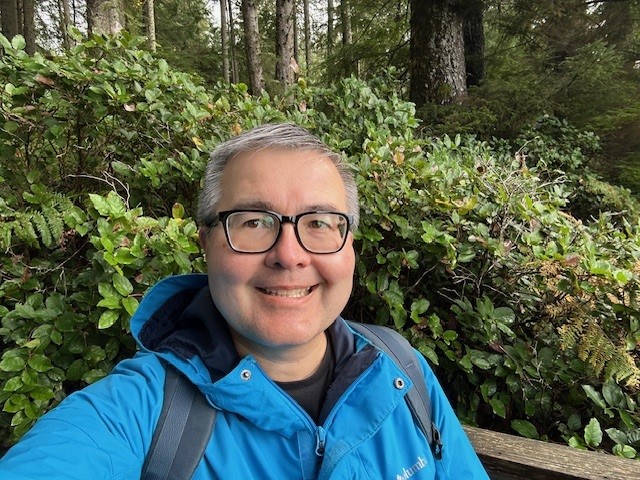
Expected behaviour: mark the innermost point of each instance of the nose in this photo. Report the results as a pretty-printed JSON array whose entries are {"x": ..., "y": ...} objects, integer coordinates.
[{"x": 287, "y": 252}]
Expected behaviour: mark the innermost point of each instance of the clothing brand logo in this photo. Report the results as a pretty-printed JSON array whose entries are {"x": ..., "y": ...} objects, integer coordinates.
[{"x": 411, "y": 471}]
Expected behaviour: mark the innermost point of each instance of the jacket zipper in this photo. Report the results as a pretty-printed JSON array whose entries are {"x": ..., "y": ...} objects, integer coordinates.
[{"x": 321, "y": 436}]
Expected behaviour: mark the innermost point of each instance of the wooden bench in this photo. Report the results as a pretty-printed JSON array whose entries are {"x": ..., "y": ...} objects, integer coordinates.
[{"x": 508, "y": 457}]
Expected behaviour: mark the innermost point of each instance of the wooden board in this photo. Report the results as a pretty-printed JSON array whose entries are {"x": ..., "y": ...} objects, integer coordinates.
[{"x": 509, "y": 457}]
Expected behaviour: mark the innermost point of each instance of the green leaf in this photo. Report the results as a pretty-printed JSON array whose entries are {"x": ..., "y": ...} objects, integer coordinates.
[
  {"x": 18, "y": 42},
  {"x": 594, "y": 395},
  {"x": 498, "y": 407},
  {"x": 593, "y": 433},
  {"x": 130, "y": 305},
  {"x": 41, "y": 393},
  {"x": 122, "y": 284},
  {"x": 112, "y": 303},
  {"x": 108, "y": 318},
  {"x": 13, "y": 384},
  {"x": 12, "y": 364},
  {"x": 93, "y": 375},
  {"x": 525, "y": 428},
  {"x": 40, "y": 363},
  {"x": 100, "y": 204}
]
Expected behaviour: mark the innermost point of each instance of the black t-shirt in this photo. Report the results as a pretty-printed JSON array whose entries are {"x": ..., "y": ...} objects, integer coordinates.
[{"x": 311, "y": 392}]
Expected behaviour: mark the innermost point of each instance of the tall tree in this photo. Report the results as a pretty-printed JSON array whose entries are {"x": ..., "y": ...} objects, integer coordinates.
[
  {"x": 437, "y": 65},
  {"x": 151, "y": 24},
  {"x": 284, "y": 42},
  {"x": 224, "y": 34},
  {"x": 64, "y": 11},
  {"x": 474, "y": 41},
  {"x": 252, "y": 43},
  {"x": 9, "y": 13},
  {"x": 330, "y": 21},
  {"x": 105, "y": 16},
  {"x": 29, "y": 26},
  {"x": 307, "y": 38},
  {"x": 232, "y": 45}
]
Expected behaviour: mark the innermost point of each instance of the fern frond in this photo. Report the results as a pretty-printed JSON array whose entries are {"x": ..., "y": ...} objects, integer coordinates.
[{"x": 42, "y": 226}]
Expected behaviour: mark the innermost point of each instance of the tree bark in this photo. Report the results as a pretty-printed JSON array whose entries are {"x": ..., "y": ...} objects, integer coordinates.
[
  {"x": 224, "y": 33},
  {"x": 232, "y": 45},
  {"x": 105, "y": 16},
  {"x": 349, "y": 64},
  {"x": 307, "y": 39},
  {"x": 252, "y": 41},
  {"x": 330, "y": 20},
  {"x": 151, "y": 25},
  {"x": 9, "y": 12},
  {"x": 437, "y": 65},
  {"x": 474, "y": 42},
  {"x": 65, "y": 22},
  {"x": 284, "y": 42},
  {"x": 29, "y": 26}
]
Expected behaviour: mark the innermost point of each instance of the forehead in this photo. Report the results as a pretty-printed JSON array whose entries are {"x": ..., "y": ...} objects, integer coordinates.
[{"x": 280, "y": 180}]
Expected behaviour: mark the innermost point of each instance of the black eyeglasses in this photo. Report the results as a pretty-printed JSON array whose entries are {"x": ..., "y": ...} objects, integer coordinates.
[{"x": 257, "y": 231}]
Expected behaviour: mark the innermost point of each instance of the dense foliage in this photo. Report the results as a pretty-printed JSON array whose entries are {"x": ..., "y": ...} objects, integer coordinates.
[{"x": 510, "y": 266}]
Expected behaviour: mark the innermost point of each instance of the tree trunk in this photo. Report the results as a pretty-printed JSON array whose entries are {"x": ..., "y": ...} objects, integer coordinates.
[
  {"x": 437, "y": 66},
  {"x": 151, "y": 25},
  {"x": 65, "y": 22},
  {"x": 105, "y": 16},
  {"x": 232, "y": 45},
  {"x": 252, "y": 41},
  {"x": 29, "y": 26},
  {"x": 224, "y": 33},
  {"x": 474, "y": 42},
  {"x": 345, "y": 18},
  {"x": 284, "y": 42},
  {"x": 296, "y": 33},
  {"x": 307, "y": 39},
  {"x": 349, "y": 64},
  {"x": 9, "y": 12},
  {"x": 330, "y": 20}
]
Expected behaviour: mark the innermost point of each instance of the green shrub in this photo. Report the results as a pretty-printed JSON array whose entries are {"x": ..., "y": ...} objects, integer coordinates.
[{"x": 527, "y": 311}]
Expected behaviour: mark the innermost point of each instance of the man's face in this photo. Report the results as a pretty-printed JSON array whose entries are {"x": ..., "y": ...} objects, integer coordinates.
[{"x": 285, "y": 297}]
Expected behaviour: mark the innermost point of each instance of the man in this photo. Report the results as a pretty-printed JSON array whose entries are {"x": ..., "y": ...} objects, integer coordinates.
[{"x": 298, "y": 394}]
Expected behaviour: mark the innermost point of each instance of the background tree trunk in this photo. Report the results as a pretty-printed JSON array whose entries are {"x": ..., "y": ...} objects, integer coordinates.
[
  {"x": 65, "y": 22},
  {"x": 224, "y": 34},
  {"x": 232, "y": 45},
  {"x": 284, "y": 42},
  {"x": 29, "y": 26},
  {"x": 349, "y": 64},
  {"x": 330, "y": 20},
  {"x": 307, "y": 39},
  {"x": 105, "y": 16},
  {"x": 474, "y": 42},
  {"x": 437, "y": 66},
  {"x": 9, "y": 12},
  {"x": 151, "y": 25},
  {"x": 252, "y": 41}
]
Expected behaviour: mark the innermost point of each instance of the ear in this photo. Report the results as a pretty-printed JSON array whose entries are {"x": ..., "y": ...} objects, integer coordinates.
[{"x": 202, "y": 236}]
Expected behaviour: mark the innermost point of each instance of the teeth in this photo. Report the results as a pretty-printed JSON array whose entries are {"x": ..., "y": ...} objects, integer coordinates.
[{"x": 287, "y": 293}]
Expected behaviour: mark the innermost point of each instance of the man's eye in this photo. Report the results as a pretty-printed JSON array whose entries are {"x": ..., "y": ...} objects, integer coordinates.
[
  {"x": 258, "y": 223},
  {"x": 318, "y": 224}
]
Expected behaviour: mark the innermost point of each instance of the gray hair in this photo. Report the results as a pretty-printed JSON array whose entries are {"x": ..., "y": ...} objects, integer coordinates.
[{"x": 285, "y": 136}]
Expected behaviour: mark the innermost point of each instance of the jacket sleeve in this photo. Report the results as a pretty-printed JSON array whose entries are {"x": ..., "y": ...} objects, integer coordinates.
[
  {"x": 101, "y": 432},
  {"x": 459, "y": 460}
]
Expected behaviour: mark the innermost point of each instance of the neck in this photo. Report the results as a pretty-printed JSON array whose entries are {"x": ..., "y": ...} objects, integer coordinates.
[{"x": 285, "y": 364}]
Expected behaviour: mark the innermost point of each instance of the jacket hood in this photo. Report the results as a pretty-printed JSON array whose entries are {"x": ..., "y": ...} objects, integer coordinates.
[{"x": 178, "y": 321}]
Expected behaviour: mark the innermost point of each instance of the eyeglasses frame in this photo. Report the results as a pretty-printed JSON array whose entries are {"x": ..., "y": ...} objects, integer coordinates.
[{"x": 222, "y": 217}]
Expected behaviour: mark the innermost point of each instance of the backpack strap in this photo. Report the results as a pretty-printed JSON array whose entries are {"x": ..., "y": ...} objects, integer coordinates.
[
  {"x": 173, "y": 454},
  {"x": 401, "y": 351}
]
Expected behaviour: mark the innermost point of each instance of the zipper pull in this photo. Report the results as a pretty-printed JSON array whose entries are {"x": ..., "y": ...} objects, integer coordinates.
[{"x": 320, "y": 439}]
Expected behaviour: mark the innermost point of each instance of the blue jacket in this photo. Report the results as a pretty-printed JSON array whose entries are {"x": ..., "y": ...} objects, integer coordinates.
[{"x": 261, "y": 433}]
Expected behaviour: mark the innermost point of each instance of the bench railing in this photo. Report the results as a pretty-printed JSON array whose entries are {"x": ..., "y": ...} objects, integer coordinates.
[{"x": 508, "y": 457}]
